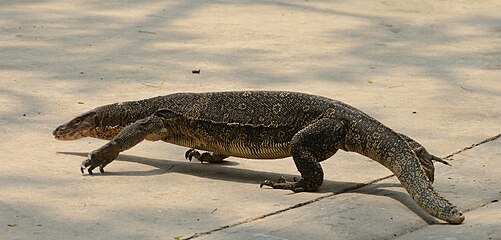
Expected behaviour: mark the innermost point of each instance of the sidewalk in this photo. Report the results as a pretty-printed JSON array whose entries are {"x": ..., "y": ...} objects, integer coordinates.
[
  {"x": 428, "y": 69},
  {"x": 383, "y": 210}
]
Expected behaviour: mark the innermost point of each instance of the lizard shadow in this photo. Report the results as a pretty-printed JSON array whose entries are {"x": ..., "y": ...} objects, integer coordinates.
[
  {"x": 383, "y": 189},
  {"x": 224, "y": 171}
]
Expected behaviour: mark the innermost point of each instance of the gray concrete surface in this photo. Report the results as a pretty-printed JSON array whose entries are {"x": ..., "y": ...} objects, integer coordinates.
[{"x": 426, "y": 68}]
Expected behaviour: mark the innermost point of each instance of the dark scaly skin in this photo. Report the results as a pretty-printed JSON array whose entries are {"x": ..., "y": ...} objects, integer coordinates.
[{"x": 262, "y": 125}]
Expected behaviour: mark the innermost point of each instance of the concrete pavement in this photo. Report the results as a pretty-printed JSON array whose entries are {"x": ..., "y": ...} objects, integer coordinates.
[{"x": 428, "y": 69}]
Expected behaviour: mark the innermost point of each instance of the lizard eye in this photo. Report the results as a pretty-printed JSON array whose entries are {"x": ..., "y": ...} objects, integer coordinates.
[{"x": 78, "y": 121}]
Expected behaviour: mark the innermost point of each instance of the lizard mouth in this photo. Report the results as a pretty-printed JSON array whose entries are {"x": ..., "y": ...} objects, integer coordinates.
[{"x": 60, "y": 134}]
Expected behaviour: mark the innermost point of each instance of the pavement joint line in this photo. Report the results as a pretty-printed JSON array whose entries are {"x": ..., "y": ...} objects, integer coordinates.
[
  {"x": 490, "y": 139},
  {"x": 346, "y": 190}
]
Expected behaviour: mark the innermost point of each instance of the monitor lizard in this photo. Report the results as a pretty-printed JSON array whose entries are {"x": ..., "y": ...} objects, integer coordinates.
[{"x": 262, "y": 125}]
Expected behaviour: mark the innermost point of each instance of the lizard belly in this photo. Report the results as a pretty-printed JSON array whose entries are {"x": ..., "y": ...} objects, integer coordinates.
[
  {"x": 237, "y": 141},
  {"x": 256, "y": 150}
]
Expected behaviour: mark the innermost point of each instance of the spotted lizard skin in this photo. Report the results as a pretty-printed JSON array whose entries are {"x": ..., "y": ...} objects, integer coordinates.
[{"x": 262, "y": 125}]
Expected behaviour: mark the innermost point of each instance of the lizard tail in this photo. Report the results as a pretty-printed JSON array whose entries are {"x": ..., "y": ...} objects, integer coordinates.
[
  {"x": 371, "y": 138},
  {"x": 413, "y": 179}
]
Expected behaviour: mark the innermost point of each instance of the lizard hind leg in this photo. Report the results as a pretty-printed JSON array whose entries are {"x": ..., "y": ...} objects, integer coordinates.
[
  {"x": 311, "y": 145},
  {"x": 210, "y": 157},
  {"x": 425, "y": 158}
]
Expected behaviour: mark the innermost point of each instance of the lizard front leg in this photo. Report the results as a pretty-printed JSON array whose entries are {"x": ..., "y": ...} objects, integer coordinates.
[
  {"x": 310, "y": 146},
  {"x": 150, "y": 128}
]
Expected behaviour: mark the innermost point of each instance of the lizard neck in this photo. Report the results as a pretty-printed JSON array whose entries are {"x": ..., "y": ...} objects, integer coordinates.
[{"x": 112, "y": 118}]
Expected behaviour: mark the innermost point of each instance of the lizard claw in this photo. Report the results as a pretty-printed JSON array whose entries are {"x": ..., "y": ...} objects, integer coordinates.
[
  {"x": 281, "y": 183},
  {"x": 298, "y": 189},
  {"x": 295, "y": 186},
  {"x": 440, "y": 160},
  {"x": 189, "y": 154},
  {"x": 281, "y": 179},
  {"x": 89, "y": 170},
  {"x": 204, "y": 157},
  {"x": 94, "y": 161},
  {"x": 193, "y": 153},
  {"x": 266, "y": 183},
  {"x": 84, "y": 166}
]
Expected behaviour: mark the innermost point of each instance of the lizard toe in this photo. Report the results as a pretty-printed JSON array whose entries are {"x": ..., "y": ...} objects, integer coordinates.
[
  {"x": 193, "y": 153},
  {"x": 282, "y": 183},
  {"x": 298, "y": 189},
  {"x": 266, "y": 183},
  {"x": 189, "y": 154},
  {"x": 98, "y": 160},
  {"x": 281, "y": 180},
  {"x": 84, "y": 165}
]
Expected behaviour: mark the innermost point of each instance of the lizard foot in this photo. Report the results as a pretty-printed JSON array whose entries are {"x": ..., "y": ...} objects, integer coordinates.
[
  {"x": 96, "y": 159},
  {"x": 282, "y": 183},
  {"x": 203, "y": 157},
  {"x": 426, "y": 159}
]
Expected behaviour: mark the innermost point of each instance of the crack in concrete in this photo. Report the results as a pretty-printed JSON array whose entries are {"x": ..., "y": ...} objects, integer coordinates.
[
  {"x": 474, "y": 145},
  {"x": 346, "y": 190}
]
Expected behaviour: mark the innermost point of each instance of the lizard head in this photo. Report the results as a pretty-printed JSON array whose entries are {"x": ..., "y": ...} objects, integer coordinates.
[
  {"x": 452, "y": 215},
  {"x": 79, "y": 127}
]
